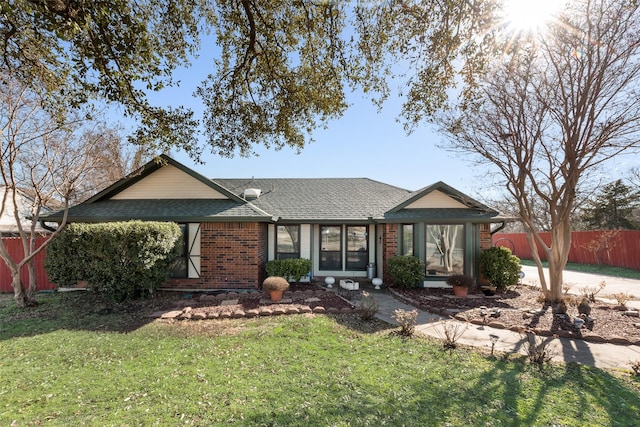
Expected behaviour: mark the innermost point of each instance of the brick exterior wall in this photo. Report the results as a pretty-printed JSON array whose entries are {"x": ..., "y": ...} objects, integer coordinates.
[
  {"x": 485, "y": 243},
  {"x": 232, "y": 256},
  {"x": 485, "y": 237},
  {"x": 389, "y": 247}
]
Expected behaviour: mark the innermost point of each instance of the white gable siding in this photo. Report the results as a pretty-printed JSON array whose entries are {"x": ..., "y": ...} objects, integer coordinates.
[
  {"x": 169, "y": 182},
  {"x": 436, "y": 199}
]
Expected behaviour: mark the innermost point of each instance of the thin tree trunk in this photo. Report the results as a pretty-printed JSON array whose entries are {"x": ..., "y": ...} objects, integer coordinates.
[
  {"x": 533, "y": 247},
  {"x": 19, "y": 293},
  {"x": 557, "y": 257},
  {"x": 33, "y": 280}
]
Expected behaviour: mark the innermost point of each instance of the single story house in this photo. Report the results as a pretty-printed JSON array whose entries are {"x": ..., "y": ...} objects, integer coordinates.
[{"x": 347, "y": 227}]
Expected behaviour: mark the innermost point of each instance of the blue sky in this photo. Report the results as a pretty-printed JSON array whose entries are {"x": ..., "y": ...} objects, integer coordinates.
[{"x": 363, "y": 143}]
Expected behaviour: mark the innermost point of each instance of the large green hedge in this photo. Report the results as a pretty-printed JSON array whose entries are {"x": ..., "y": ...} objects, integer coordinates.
[{"x": 119, "y": 260}]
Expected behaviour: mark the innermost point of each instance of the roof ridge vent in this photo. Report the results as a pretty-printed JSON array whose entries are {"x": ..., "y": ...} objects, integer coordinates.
[{"x": 251, "y": 193}]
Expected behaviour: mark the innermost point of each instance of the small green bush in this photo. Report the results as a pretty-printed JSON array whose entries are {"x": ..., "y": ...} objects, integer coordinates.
[
  {"x": 291, "y": 268},
  {"x": 500, "y": 267},
  {"x": 405, "y": 270},
  {"x": 119, "y": 260}
]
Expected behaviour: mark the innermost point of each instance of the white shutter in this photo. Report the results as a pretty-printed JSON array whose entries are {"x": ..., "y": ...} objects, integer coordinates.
[{"x": 193, "y": 254}]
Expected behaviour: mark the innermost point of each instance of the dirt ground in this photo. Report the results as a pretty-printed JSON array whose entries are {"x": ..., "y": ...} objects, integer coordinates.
[{"x": 522, "y": 308}]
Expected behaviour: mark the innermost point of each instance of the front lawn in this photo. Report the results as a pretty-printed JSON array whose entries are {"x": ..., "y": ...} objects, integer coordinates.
[{"x": 64, "y": 363}]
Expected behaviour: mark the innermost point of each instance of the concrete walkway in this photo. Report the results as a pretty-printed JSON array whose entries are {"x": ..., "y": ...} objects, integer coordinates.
[
  {"x": 600, "y": 355},
  {"x": 577, "y": 281}
]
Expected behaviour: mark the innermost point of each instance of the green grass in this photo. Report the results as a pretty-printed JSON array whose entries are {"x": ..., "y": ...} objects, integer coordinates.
[
  {"x": 70, "y": 362},
  {"x": 606, "y": 270}
]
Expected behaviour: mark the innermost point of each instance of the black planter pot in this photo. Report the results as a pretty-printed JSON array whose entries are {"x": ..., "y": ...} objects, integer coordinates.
[{"x": 488, "y": 290}]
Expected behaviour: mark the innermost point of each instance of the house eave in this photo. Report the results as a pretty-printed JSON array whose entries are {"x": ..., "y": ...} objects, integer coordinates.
[{"x": 177, "y": 219}]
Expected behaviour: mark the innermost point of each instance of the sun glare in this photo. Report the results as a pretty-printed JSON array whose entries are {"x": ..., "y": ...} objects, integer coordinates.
[{"x": 529, "y": 15}]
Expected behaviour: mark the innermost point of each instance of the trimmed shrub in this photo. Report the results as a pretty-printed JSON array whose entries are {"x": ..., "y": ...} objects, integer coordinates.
[
  {"x": 290, "y": 268},
  {"x": 120, "y": 260},
  {"x": 274, "y": 283},
  {"x": 500, "y": 267},
  {"x": 405, "y": 270}
]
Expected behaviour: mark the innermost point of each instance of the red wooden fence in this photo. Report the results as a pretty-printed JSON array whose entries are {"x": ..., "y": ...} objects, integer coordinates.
[
  {"x": 617, "y": 248},
  {"x": 14, "y": 246}
]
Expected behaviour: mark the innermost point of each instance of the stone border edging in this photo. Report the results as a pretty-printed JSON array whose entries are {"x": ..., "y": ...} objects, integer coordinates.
[
  {"x": 188, "y": 313},
  {"x": 590, "y": 337}
]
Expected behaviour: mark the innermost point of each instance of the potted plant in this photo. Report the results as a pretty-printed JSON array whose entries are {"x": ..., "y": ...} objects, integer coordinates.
[
  {"x": 488, "y": 290},
  {"x": 275, "y": 286},
  {"x": 461, "y": 284}
]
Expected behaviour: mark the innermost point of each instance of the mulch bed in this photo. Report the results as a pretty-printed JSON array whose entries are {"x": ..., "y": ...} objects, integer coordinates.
[
  {"x": 300, "y": 298},
  {"x": 521, "y": 309}
]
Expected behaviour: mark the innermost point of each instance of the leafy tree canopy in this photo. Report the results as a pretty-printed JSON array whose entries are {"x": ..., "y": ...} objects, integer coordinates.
[{"x": 283, "y": 70}]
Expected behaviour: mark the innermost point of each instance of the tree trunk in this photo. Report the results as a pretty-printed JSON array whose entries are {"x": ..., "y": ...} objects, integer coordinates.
[
  {"x": 33, "y": 280},
  {"x": 557, "y": 254},
  {"x": 533, "y": 247},
  {"x": 19, "y": 293},
  {"x": 557, "y": 257}
]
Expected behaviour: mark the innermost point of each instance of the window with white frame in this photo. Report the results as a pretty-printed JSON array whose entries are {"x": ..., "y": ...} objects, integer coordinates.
[{"x": 287, "y": 241}]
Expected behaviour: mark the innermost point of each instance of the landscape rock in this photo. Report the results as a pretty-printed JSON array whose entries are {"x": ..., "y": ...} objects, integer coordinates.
[
  {"x": 171, "y": 314},
  {"x": 619, "y": 340}
]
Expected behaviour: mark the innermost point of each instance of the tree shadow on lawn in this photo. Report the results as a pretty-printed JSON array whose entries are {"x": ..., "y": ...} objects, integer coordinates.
[
  {"x": 618, "y": 398},
  {"x": 81, "y": 310},
  {"x": 87, "y": 311},
  {"x": 495, "y": 397}
]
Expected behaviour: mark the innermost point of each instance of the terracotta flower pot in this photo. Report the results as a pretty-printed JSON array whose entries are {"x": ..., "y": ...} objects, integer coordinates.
[
  {"x": 276, "y": 295},
  {"x": 460, "y": 291}
]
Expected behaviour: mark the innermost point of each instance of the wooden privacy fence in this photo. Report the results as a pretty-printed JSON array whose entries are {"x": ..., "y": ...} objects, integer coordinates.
[
  {"x": 617, "y": 248},
  {"x": 14, "y": 246}
]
